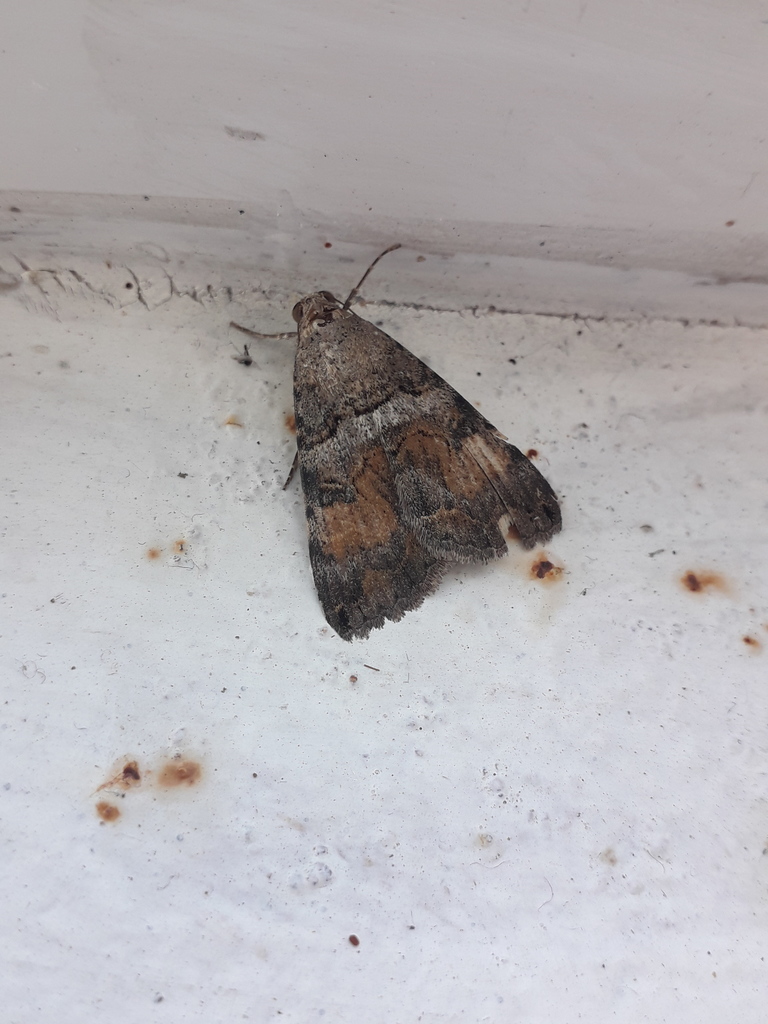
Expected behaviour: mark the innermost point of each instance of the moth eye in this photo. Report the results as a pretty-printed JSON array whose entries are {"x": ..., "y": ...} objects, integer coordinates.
[
  {"x": 329, "y": 297},
  {"x": 296, "y": 313}
]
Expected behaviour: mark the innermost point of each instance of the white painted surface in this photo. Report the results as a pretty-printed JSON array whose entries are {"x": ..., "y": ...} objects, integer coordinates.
[
  {"x": 576, "y": 155},
  {"x": 540, "y": 803},
  {"x": 564, "y": 112},
  {"x": 196, "y": 247}
]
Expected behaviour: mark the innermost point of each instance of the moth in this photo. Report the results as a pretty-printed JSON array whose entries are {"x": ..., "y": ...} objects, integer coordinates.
[{"x": 401, "y": 475}]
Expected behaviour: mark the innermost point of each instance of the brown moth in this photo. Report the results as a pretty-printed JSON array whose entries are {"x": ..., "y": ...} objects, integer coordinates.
[{"x": 400, "y": 474}]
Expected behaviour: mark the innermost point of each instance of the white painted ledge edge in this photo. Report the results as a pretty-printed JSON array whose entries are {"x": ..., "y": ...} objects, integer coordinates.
[{"x": 194, "y": 246}]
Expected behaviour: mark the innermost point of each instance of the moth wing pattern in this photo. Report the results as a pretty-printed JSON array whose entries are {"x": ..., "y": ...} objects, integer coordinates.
[
  {"x": 458, "y": 479},
  {"x": 400, "y": 473},
  {"x": 367, "y": 563}
]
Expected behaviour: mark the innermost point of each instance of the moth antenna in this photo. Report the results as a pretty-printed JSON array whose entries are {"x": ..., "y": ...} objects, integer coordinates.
[
  {"x": 256, "y": 334},
  {"x": 359, "y": 284}
]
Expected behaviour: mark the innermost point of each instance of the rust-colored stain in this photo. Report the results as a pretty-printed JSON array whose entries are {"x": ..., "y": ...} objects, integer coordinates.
[
  {"x": 154, "y": 553},
  {"x": 125, "y": 778},
  {"x": 130, "y": 774},
  {"x": 752, "y": 642},
  {"x": 179, "y": 773},
  {"x": 290, "y": 422},
  {"x": 180, "y": 546},
  {"x": 543, "y": 569},
  {"x": 512, "y": 532},
  {"x": 353, "y": 940},
  {"x": 232, "y": 421},
  {"x": 107, "y": 811},
  {"x": 532, "y": 453},
  {"x": 174, "y": 772},
  {"x": 328, "y": 245},
  {"x": 730, "y": 223},
  {"x": 353, "y": 679},
  {"x": 702, "y": 580}
]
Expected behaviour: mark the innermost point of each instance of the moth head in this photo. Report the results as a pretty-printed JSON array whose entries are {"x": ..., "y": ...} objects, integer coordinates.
[{"x": 318, "y": 306}]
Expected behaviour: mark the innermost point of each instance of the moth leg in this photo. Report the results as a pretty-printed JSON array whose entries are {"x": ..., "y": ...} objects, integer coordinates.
[{"x": 292, "y": 471}]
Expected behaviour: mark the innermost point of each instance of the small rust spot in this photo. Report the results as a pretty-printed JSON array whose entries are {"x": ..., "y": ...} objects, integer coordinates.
[
  {"x": 532, "y": 453},
  {"x": 124, "y": 778},
  {"x": 290, "y": 422},
  {"x": 328, "y": 245},
  {"x": 154, "y": 553},
  {"x": 180, "y": 546},
  {"x": 106, "y": 811},
  {"x": 730, "y": 223},
  {"x": 232, "y": 421},
  {"x": 130, "y": 773},
  {"x": 179, "y": 772},
  {"x": 692, "y": 581},
  {"x": 752, "y": 642},
  {"x": 543, "y": 569},
  {"x": 353, "y": 940},
  {"x": 420, "y": 259},
  {"x": 699, "y": 581},
  {"x": 353, "y": 679}
]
